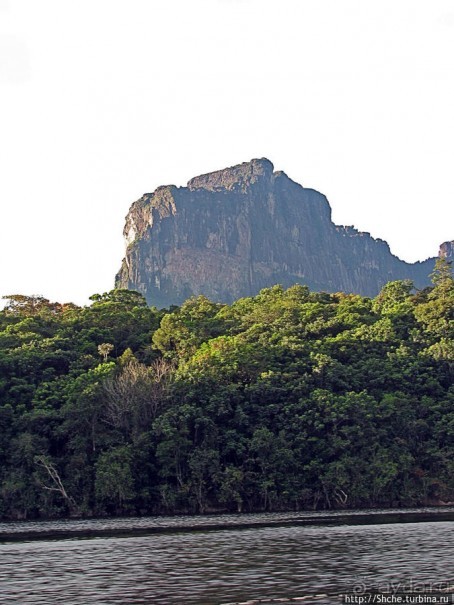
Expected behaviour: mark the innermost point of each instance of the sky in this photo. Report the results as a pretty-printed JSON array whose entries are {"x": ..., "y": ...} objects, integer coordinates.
[{"x": 104, "y": 100}]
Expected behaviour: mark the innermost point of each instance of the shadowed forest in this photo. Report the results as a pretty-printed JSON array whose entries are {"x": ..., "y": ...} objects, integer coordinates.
[{"x": 285, "y": 401}]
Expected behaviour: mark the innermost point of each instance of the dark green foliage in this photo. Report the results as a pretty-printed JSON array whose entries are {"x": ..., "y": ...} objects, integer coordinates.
[{"x": 287, "y": 400}]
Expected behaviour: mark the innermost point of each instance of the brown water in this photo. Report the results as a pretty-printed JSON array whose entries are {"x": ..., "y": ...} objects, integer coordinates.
[{"x": 217, "y": 566}]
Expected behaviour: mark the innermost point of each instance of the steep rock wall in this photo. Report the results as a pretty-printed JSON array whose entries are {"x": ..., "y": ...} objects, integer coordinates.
[{"x": 230, "y": 233}]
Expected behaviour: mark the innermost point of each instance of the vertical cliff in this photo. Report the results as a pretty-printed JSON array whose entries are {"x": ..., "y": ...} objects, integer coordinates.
[{"x": 232, "y": 232}]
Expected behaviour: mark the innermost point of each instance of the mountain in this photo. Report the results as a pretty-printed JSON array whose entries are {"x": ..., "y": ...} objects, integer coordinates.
[{"x": 232, "y": 232}]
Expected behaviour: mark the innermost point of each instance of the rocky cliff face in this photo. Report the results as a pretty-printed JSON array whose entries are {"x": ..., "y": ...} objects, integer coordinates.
[{"x": 230, "y": 233}]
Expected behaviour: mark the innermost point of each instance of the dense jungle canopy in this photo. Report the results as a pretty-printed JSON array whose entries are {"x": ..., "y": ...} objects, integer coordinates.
[{"x": 288, "y": 400}]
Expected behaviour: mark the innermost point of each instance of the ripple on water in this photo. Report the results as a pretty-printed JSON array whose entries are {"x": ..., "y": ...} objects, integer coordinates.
[{"x": 224, "y": 566}]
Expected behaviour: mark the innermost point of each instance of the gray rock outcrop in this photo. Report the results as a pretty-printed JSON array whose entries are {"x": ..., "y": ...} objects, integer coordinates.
[{"x": 230, "y": 233}]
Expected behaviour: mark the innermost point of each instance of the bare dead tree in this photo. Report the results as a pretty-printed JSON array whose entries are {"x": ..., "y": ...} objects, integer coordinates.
[
  {"x": 135, "y": 394},
  {"x": 57, "y": 484},
  {"x": 161, "y": 371},
  {"x": 340, "y": 496}
]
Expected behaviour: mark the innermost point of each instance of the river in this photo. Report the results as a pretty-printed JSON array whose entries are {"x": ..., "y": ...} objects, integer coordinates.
[{"x": 224, "y": 559}]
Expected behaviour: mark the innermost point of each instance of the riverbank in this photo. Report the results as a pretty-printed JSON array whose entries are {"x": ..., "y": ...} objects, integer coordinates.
[{"x": 143, "y": 526}]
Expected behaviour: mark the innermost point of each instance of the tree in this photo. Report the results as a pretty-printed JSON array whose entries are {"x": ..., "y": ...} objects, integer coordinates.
[
  {"x": 56, "y": 483},
  {"x": 437, "y": 314},
  {"x": 442, "y": 277},
  {"x": 135, "y": 393},
  {"x": 29, "y": 306},
  {"x": 114, "y": 484},
  {"x": 105, "y": 349}
]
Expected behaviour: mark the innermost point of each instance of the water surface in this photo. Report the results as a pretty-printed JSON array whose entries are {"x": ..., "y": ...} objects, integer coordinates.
[{"x": 217, "y": 566}]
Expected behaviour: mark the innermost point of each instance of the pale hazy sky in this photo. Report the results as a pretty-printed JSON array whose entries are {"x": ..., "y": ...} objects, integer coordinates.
[{"x": 103, "y": 100}]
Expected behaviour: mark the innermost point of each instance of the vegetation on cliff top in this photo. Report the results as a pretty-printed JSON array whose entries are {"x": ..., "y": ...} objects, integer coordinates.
[{"x": 291, "y": 399}]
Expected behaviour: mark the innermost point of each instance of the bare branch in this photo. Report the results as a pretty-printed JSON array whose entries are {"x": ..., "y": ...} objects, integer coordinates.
[
  {"x": 135, "y": 394},
  {"x": 44, "y": 463}
]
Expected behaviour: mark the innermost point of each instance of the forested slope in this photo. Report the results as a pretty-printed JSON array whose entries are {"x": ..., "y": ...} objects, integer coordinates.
[{"x": 291, "y": 399}]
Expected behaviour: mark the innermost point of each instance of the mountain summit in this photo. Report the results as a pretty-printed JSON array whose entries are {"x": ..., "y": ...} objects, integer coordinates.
[{"x": 232, "y": 232}]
